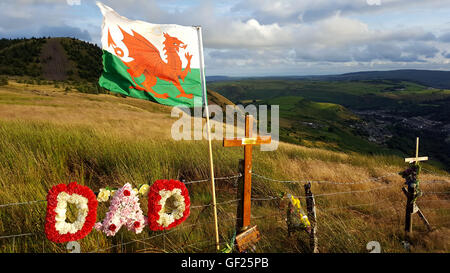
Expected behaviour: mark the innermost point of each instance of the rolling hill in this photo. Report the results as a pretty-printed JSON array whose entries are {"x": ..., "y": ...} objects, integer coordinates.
[
  {"x": 435, "y": 79},
  {"x": 378, "y": 101},
  {"x": 51, "y": 59},
  {"x": 432, "y": 78}
]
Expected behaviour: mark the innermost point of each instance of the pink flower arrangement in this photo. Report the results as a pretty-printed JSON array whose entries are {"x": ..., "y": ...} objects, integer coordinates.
[{"x": 124, "y": 210}]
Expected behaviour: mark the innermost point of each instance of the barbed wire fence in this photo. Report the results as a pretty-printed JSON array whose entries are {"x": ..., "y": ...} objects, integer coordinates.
[{"x": 233, "y": 181}]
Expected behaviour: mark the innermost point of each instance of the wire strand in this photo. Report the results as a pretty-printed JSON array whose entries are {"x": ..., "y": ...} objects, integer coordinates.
[
  {"x": 323, "y": 181},
  {"x": 17, "y": 235}
]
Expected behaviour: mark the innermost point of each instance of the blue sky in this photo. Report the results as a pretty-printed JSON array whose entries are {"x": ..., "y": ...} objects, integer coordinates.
[{"x": 267, "y": 37}]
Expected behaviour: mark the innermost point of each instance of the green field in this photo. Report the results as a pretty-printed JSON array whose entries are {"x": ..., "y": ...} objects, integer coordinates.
[{"x": 347, "y": 93}]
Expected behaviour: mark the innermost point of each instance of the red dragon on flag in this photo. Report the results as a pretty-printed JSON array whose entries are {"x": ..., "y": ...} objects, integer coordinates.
[{"x": 147, "y": 61}]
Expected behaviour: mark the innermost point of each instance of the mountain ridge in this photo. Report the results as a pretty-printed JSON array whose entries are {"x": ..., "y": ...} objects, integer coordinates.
[{"x": 432, "y": 78}]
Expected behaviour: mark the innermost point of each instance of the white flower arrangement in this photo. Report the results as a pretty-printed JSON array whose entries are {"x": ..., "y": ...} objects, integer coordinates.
[
  {"x": 81, "y": 203},
  {"x": 169, "y": 213},
  {"x": 56, "y": 227}
]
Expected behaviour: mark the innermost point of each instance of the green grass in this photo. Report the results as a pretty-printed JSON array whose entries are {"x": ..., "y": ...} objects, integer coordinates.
[
  {"x": 293, "y": 107},
  {"x": 20, "y": 99}
]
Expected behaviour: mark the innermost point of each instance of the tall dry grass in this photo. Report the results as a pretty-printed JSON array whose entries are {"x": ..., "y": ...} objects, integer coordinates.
[{"x": 70, "y": 139}]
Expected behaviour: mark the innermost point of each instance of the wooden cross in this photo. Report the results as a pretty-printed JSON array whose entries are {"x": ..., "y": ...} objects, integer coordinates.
[
  {"x": 248, "y": 143},
  {"x": 411, "y": 206},
  {"x": 417, "y": 158}
]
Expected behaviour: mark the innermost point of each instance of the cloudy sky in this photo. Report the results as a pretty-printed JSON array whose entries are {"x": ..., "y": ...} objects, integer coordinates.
[{"x": 267, "y": 37}]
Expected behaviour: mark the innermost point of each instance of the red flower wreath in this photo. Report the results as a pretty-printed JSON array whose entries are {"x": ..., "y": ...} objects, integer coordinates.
[
  {"x": 56, "y": 228},
  {"x": 168, "y": 204}
]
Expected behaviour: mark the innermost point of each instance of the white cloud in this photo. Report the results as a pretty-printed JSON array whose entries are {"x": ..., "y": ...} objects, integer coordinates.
[
  {"x": 312, "y": 10},
  {"x": 373, "y": 2},
  {"x": 265, "y": 36}
]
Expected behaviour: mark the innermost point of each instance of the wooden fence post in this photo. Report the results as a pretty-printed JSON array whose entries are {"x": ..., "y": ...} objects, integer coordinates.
[
  {"x": 409, "y": 209},
  {"x": 412, "y": 209},
  {"x": 311, "y": 207},
  {"x": 240, "y": 196}
]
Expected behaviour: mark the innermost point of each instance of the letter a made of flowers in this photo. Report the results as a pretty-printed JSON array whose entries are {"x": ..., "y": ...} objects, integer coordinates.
[{"x": 124, "y": 210}]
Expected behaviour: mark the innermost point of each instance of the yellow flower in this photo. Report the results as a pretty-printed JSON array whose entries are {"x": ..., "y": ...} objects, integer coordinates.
[
  {"x": 295, "y": 202},
  {"x": 136, "y": 190},
  {"x": 303, "y": 218},
  {"x": 103, "y": 195},
  {"x": 143, "y": 190},
  {"x": 305, "y": 221}
]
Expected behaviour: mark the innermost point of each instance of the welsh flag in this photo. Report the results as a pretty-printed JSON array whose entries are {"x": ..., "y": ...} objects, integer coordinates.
[{"x": 155, "y": 62}]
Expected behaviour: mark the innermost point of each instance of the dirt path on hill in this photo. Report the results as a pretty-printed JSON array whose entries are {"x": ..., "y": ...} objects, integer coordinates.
[{"x": 54, "y": 61}]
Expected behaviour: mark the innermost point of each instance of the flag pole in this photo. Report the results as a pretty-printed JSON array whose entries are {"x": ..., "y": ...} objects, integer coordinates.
[{"x": 203, "y": 78}]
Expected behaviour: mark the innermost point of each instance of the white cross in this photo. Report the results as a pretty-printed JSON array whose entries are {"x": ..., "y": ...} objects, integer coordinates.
[{"x": 417, "y": 158}]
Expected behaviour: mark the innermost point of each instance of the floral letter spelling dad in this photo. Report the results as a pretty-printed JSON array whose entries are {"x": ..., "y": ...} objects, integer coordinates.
[
  {"x": 56, "y": 227},
  {"x": 168, "y": 204},
  {"x": 124, "y": 210}
]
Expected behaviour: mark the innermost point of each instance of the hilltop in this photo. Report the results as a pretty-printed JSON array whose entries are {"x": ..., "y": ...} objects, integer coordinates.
[{"x": 51, "y": 59}]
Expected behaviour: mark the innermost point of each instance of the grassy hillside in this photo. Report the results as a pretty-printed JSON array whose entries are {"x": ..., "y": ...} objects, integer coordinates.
[{"x": 49, "y": 136}]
